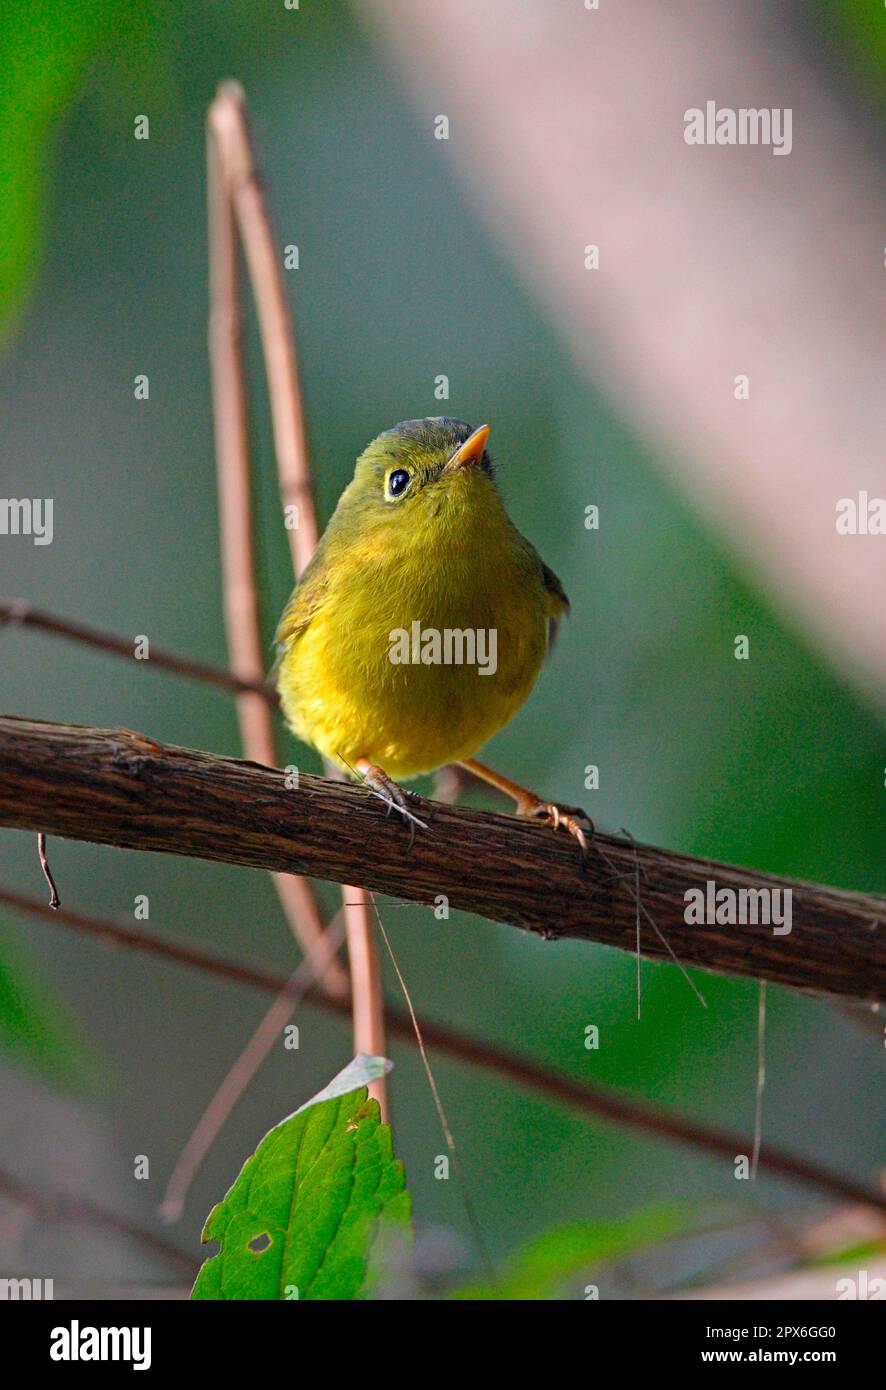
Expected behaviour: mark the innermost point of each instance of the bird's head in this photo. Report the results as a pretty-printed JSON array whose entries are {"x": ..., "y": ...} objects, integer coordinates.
[{"x": 421, "y": 472}]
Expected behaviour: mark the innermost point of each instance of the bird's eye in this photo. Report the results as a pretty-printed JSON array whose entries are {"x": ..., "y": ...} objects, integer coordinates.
[{"x": 398, "y": 482}]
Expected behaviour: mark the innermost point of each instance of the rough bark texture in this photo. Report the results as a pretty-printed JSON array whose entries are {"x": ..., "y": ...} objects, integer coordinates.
[{"x": 114, "y": 787}]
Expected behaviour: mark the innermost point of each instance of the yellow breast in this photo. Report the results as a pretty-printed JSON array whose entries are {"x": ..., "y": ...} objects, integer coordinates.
[{"x": 419, "y": 649}]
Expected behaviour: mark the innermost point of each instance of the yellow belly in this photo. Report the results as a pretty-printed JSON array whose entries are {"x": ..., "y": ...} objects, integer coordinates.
[{"x": 342, "y": 692}]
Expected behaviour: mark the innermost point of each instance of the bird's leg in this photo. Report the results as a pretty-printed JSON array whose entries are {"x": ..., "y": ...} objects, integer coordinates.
[
  {"x": 532, "y": 807},
  {"x": 384, "y": 787}
]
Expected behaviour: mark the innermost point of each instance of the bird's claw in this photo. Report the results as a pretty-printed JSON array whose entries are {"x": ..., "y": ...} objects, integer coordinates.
[
  {"x": 394, "y": 797},
  {"x": 566, "y": 818}
]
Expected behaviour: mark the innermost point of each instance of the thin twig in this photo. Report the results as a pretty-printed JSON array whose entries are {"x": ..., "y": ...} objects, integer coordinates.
[
  {"x": 470, "y": 1209},
  {"x": 242, "y": 621},
  {"x": 54, "y": 900},
  {"x": 228, "y": 120},
  {"x": 60, "y": 1206},
  {"x": 232, "y": 148},
  {"x": 242, "y": 625},
  {"x": 20, "y": 613},
  {"x": 367, "y": 999},
  {"x": 239, "y": 1076},
  {"x": 598, "y": 1102}
]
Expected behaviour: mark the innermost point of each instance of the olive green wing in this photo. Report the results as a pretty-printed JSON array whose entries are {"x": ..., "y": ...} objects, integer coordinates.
[
  {"x": 555, "y": 591},
  {"x": 306, "y": 598},
  {"x": 558, "y": 602}
]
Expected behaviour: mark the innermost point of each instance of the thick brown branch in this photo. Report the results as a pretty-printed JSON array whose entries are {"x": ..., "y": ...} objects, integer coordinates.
[{"x": 119, "y": 788}]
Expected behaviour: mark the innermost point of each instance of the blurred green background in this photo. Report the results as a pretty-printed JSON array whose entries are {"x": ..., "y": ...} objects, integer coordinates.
[{"x": 771, "y": 762}]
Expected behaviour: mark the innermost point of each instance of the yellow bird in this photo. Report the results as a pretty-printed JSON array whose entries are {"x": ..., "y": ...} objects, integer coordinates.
[{"x": 419, "y": 626}]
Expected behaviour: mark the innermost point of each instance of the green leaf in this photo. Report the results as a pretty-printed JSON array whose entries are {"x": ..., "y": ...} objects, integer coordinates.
[
  {"x": 858, "y": 28},
  {"x": 44, "y": 50},
  {"x": 302, "y": 1218},
  {"x": 47, "y": 51},
  {"x": 33, "y": 1028},
  {"x": 858, "y": 1253},
  {"x": 548, "y": 1261}
]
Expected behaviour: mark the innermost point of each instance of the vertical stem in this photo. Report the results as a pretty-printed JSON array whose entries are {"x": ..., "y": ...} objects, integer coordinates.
[
  {"x": 242, "y": 620},
  {"x": 244, "y": 195},
  {"x": 368, "y": 1002},
  {"x": 275, "y": 324},
  {"x": 232, "y": 459}
]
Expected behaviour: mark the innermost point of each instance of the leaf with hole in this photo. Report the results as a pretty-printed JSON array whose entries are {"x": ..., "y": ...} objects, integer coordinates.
[{"x": 309, "y": 1206}]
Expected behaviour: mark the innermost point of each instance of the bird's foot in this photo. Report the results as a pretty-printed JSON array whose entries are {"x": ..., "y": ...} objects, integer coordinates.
[
  {"x": 387, "y": 790},
  {"x": 527, "y": 804},
  {"x": 568, "y": 818}
]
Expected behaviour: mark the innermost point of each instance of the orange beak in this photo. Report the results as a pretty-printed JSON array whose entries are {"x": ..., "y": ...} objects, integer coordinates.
[{"x": 471, "y": 451}]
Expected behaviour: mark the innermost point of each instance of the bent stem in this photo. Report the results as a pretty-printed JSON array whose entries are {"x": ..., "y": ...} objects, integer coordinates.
[
  {"x": 235, "y": 508},
  {"x": 240, "y": 198}
]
